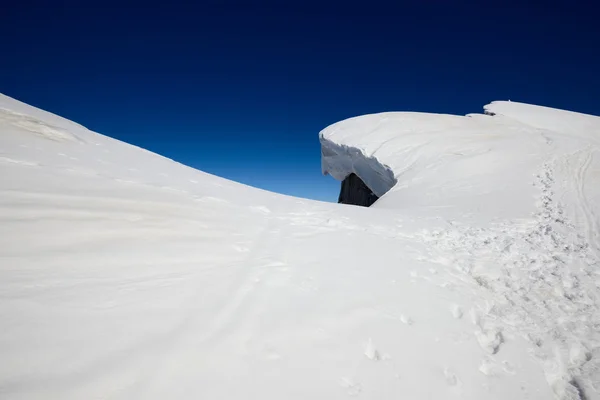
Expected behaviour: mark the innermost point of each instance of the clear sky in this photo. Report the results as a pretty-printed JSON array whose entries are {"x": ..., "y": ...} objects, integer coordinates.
[{"x": 242, "y": 91}]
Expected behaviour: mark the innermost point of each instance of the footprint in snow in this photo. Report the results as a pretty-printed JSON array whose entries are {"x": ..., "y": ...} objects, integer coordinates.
[
  {"x": 491, "y": 367},
  {"x": 508, "y": 368},
  {"x": 352, "y": 388},
  {"x": 489, "y": 340},
  {"x": 450, "y": 377},
  {"x": 371, "y": 352},
  {"x": 406, "y": 319},
  {"x": 456, "y": 311},
  {"x": 578, "y": 355}
]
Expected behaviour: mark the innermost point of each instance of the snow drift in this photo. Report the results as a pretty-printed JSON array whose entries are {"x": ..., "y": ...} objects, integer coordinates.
[{"x": 124, "y": 274}]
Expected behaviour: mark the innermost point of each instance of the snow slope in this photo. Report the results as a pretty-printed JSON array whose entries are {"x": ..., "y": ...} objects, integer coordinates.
[{"x": 126, "y": 275}]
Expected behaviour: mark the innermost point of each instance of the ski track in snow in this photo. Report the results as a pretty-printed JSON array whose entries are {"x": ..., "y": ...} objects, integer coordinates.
[
  {"x": 126, "y": 275},
  {"x": 591, "y": 220}
]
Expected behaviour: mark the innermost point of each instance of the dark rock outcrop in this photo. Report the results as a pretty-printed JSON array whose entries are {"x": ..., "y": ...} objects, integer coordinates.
[{"x": 355, "y": 192}]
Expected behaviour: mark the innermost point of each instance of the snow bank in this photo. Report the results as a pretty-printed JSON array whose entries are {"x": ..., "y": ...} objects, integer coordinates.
[
  {"x": 404, "y": 150},
  {"x": 393, "y": 149},
  {"x": 437, "y": 160}
]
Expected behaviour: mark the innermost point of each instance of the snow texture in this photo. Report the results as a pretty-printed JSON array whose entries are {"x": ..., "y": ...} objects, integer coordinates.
[{"x": 125, "y": 275}]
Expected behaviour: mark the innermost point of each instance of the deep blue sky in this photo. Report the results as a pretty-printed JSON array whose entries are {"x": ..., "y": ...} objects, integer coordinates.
[{"x": 242, "y": 91}]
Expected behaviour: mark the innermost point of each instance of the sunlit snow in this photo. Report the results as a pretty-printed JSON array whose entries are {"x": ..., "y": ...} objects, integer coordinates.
[{"x": 125, "y": 275}]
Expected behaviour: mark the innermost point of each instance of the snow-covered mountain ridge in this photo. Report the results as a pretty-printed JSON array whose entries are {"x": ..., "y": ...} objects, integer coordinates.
[{"x": 124, "y": 274}]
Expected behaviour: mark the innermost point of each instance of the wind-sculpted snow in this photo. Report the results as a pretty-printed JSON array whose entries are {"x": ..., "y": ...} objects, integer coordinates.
[
  {"x": 340, "y": 161},
  {"x": 125, "y": 275}
]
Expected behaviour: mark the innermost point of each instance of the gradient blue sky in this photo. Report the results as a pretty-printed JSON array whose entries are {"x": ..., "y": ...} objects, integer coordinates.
[{"x": 242, "y": 91}]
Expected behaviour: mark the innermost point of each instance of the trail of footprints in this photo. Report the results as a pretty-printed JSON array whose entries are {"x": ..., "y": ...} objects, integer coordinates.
[
  {"x": 543, "y": 279},
  {"x": 542, "y": 276}
]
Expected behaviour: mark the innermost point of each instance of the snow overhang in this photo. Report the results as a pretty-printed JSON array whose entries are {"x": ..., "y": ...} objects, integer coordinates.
[
  {"x": 380, "y": 148},
  {"x": 339, "y": 161}
]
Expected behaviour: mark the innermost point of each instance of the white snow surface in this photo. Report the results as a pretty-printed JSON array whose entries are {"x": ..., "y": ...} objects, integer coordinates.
[{"x": 125, "y": 275}]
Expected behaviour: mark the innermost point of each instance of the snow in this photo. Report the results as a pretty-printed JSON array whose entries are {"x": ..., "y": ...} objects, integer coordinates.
[{"x": 124, "y": 274}]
